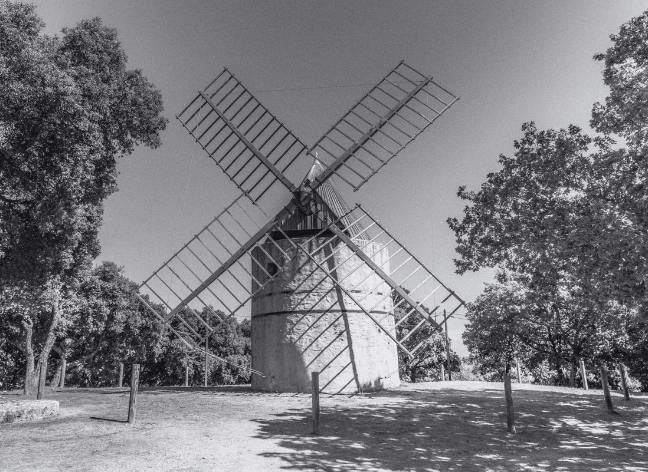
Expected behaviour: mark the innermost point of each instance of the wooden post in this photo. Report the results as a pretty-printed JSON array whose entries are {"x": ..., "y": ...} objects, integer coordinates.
[
  {"x": 445, "y": 322},
  {"x": 606, "y": 389},
  {"x": 316, "y": 406},
  {"x": 624, "y": 382},
  {"x": 508, "y": 394},
  {"x": 442, "y": 373},
  {"x": 206, "y": 357},
  {"x": 63, "y": 367},
  {"x": 121, "y": 375},
  {"x": 584, "y": 374},
  {"x": 134, "y": 382},
  {"x": 187, "y": 375},
  {"x": 519, "y": 373}
]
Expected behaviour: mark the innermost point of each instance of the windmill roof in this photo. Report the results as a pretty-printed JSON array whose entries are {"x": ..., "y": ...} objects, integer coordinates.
[{"x": 335, "y": 203}]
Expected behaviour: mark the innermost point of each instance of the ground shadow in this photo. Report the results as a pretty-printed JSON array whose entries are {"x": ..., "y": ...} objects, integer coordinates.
[
  {"x": 460, "y": 430},
  {"x": 224, "y": 389},
  {"x": 108, "y": 419}
]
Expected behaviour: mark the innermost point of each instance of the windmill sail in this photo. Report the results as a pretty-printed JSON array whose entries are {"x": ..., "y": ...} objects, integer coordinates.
[
  {"x": 241, "y": 136},
  {"x": 380, "y": 125},
  {"x": 208, "y": 278},
  {"x": 329, "y": 259},
  {"x": 400, "y": 276}
]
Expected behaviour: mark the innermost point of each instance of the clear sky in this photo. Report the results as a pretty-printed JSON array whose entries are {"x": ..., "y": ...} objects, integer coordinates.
[{"x": 309, "y": 61}]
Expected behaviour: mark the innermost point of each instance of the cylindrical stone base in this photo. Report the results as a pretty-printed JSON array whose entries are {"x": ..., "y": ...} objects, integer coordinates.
[{"x": 303, "y": 323}]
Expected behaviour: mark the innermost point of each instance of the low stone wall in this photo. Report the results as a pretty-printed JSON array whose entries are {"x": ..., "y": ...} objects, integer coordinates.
[{"x": 27, "y": 410}]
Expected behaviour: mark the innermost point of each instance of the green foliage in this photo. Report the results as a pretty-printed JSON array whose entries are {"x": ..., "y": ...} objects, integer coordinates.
[
  {"x": 68, "y": 109},
  {"x": 107, "y": 325},
  {"x": 567, "y": 218},
  {"x": 427, "y": 360},
  {"x": 626, "y": 74}
]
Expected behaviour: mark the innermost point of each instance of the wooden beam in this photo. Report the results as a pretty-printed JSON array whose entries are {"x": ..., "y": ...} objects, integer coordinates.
[
  {"x": 330, "y": 170},
  {"x": 388, "y": 280},
  {"x": 271, "y": 167},
  {"x": 135, "y": 372},
  {"x": 235, "y": 257},
  {"x": 315, "y": 402}
]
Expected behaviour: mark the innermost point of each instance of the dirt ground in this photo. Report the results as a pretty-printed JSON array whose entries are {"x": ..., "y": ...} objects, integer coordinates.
[{"x": 445, "y": 426}]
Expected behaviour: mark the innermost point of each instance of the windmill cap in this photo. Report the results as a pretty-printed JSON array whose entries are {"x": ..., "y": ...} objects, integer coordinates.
[{"x": 337, "y": 207}]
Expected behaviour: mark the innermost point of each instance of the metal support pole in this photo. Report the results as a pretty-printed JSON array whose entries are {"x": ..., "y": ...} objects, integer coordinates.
[
  {"x": 519, "y": 373},
  {"x": 206, "y": 358},
  {"x": 584, "y": 374},
  {"x": 442, "y": 373},
  {"x": 316, "y": 406},
  {"x": 186, "y": 384},
  {"x": 120, "y": 379},
  {"x": 447, "y": 343}
]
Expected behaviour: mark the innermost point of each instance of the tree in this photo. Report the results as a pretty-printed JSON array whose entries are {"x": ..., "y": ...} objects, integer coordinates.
[
  {"x": 568, "y": 213},
  {"x": 491, "y": 335},
  {"x": 512, "y": 320},
  {"x": 431, "y": 354},
  {"x": 68, "y": 109},
  {"x": 626, "y": 74}
]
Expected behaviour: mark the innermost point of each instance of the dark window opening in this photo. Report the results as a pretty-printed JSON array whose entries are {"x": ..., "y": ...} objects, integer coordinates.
[{"x": 272, "y": 268}]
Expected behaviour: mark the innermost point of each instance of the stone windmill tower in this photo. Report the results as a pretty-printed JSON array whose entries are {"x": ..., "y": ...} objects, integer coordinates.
[{"x": 321, "y": 280}]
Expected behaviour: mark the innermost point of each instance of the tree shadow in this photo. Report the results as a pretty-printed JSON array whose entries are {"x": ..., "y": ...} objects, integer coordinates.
[{"x": 460, "y": 430}]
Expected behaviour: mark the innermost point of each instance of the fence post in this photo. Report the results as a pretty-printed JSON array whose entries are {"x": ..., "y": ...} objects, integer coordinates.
[
  {"x": 120, "y": 380},
  {"x": 316, "y": 406},
  {"x": 584, "y": 374},
  {"x": 519, "y": 374},
  {"x": 187, "y": 375},
  {"x": 135, "y": 371}
]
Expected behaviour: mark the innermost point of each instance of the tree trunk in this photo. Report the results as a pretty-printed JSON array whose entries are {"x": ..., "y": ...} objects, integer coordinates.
[
  {"x": 57, "y": 375},
  {"x": 584, "y": 374},
  {"x": 624, "y": 382},
  {"x": 63, "y": 369},
  {"x": 508, "y": 394},
  {"x": 606, "y": 389},
  {"x": 49, "y": 340},
  {"x": 412, "y": 374},
  {"x": 30, "y": 374},
  {"x": 559, "y": 373},
  {"x": 572, "y": 374}
]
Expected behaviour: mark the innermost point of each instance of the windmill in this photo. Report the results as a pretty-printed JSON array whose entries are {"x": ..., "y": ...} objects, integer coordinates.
[{"x": 321, "y": 279}]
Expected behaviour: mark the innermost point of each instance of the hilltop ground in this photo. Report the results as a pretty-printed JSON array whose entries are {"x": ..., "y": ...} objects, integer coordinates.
[{"x": 426, "y": 426}]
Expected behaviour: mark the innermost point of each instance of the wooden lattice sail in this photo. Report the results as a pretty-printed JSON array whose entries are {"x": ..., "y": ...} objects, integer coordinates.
[{"x": 320, "y": 279}]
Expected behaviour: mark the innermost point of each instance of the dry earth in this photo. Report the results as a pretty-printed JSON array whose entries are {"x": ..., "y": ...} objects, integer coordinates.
[{"x": 428, "y": 426}]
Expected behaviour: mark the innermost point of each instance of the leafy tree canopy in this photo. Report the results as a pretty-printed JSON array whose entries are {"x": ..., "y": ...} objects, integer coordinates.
[{"x": 69, "y": 108}]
